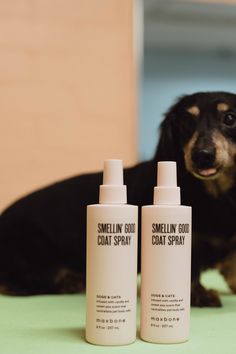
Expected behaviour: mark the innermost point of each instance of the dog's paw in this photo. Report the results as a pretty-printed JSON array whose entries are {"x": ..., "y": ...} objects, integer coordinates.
[
  {"x": 228, "y": 269},
  {"x": 3, "y": 289},
  {"x": 68, "y": 281},
  {"x": 13, "y": 291},
  {"x": 202, "y": 297}
]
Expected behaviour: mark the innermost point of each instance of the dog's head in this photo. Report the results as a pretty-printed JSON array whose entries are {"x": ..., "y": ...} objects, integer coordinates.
[{"x": 199, "y": 131}]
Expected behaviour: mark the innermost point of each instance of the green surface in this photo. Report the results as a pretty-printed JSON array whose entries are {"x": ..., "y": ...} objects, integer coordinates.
[{"x": 55, "y": 324}]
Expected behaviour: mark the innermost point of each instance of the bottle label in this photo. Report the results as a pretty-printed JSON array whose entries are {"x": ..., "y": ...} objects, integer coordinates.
[
  {"x": 119, "y": 234},
  {"x": 166, "y": 274},
  {"x": 166, "y": 307},
  {"x": 115, "y": 308},
  {"x": 169, "y": 234},
  {"x": 111, "y": 274}
]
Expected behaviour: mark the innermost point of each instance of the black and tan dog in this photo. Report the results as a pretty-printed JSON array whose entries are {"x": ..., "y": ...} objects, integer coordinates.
[{"x": 42, "y": 236}]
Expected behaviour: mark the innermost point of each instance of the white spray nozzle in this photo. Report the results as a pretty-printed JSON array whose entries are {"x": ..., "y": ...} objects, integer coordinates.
[
  {"x": 113, "y": 172},
  {"x": 166, "y": 174},
  {"x": 166, "y": 191},
  {"x": 113, "y": 191}
]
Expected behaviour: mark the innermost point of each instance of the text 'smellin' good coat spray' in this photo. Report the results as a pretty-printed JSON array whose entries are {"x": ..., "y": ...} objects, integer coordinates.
[
  {"x": 166, "y": 262},
  {"x": 111, "y": 280}
]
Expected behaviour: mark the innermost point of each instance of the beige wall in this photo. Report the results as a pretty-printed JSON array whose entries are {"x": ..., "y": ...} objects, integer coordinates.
[{"x": 67, "y": 90}]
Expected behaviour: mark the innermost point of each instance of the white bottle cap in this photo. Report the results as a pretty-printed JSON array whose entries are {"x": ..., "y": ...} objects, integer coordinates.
[
  {"x": 113, "y": 190},
  {"x": 166, "y": 191}
]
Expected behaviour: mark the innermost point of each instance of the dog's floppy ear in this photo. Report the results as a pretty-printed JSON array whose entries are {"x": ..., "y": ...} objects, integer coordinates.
[{"x": 168, "y": 148}]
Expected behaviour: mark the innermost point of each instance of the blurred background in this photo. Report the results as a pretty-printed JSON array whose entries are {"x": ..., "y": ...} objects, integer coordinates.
[
  {"x": 85, "y": 80},
  {"x": 189, "y": 46}
]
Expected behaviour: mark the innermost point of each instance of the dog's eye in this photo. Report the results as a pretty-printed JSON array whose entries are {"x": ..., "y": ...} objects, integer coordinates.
[{"x": 229, "y": 119}]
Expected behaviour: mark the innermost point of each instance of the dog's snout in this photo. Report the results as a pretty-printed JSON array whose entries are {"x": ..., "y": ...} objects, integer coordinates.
[{"x": 203, "y": 158}]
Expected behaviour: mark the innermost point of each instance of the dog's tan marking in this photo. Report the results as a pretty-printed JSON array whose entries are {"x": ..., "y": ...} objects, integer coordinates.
[
  {"x": 225, "y": 153},
  {"x": 222, "y": 107},
  {"x": 194, "y": 110},
  {"x": 220, "y": 184},
  {"x": 3, "y": 289},
  {"x": 228, "y": 270},
  {"x": 188, "y": 152}
]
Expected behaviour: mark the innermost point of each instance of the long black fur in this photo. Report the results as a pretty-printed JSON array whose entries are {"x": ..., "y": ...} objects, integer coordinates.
[{"x": 43, "y": 236}]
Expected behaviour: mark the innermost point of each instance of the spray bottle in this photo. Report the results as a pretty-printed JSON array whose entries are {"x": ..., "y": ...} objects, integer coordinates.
[
  {"x": 165, "y": 262},
  {"x": 111, "y": 279}
]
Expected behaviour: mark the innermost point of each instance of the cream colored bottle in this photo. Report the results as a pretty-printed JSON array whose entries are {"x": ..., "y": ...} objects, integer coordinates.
[
  {"x": 165, "y": 262},
  {"x": 111, "y": 278}
]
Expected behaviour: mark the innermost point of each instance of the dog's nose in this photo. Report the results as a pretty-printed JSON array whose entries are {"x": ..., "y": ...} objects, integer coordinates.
[{"x": 203, "y": 158}]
